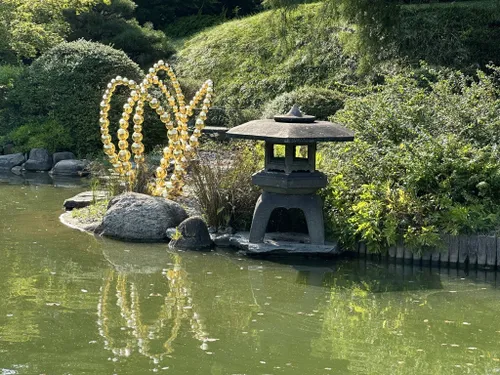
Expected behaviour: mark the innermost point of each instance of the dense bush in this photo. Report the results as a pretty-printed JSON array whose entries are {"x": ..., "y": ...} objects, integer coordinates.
[
  {"x": 314, "y": 101},
  {"x": 115, "y": 25},
  {"x": 49, "y": 135},
  {"x": 426, "y": 161},
  {"x": 8, "y": 75},
  {"x": 66, "y": 85}
]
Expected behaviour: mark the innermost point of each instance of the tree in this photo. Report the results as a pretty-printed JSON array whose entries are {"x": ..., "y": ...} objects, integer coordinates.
[
  {"x": 114, "y": 24},
  {"x": 28, "y": 28}
]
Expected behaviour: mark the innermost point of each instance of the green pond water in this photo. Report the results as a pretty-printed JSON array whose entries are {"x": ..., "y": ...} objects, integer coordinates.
[{"x": 75, "y": 304}]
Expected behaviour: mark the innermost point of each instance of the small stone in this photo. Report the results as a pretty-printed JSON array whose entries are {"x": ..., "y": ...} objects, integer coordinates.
[
  {"x": 194, "y": 235},
  {"x": 17, "y": 170},
  {"x": 85, "y": 199}
]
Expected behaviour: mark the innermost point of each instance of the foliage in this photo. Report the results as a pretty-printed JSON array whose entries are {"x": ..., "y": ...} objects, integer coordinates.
[
  {"x": 50, "y": 135},
  {"x": 28, "y": 28},
  {"x": 161, "y": 13},
  {"x": 250, "y": 66},
  {"x": 456, "y": 34},
  {"x": 91, "y": 214},
  {"x": 425, "y": 161},
  {"x": 8, "y": 75},
  {"x": 190, "y": 25},
  {"x": 205, "y": 180},
  {"x": 370, "y": 27},
  {"x": 318, "y": 102},
  {"x": 66, "y": 84},
  {"x": 224, "y": 190},
  {"x": 114, "y": 24}
]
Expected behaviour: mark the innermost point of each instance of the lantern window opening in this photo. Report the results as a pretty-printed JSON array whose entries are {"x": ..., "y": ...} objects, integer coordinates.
[
  {"x": 278, "y": 153},
  {"x": 301, "y": 153}
]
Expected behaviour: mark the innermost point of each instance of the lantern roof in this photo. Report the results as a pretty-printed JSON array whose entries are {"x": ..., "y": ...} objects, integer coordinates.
[{"x": 294, "y": 127}]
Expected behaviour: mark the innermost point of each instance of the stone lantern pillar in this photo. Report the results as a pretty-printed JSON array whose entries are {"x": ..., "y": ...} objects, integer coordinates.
[{"x": 289, "y": 178}]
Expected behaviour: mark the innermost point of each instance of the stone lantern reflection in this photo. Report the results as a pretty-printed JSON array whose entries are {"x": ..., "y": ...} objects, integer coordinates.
[{"x": 290, "y": 179}]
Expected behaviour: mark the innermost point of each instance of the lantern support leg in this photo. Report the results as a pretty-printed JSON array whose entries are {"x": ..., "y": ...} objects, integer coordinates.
[{"x": 310, "y": 204}]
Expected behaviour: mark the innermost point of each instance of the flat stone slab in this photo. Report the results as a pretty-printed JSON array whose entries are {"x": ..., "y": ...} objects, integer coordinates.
[
  {"x": 85, "y": 199},
  {"x": 282, "y": 243}
]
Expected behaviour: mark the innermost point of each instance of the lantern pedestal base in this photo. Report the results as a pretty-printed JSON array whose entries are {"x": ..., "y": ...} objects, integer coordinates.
[
  {"x": 310, "y": 204},
  {"x": 282, "y": 243}
]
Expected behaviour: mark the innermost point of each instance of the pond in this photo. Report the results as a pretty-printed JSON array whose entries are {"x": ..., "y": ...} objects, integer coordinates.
[{"x": 75, "y": 304}]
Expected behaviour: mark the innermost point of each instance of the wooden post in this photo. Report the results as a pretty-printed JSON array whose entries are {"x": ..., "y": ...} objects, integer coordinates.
[
  {"x": 392, "y": 253},
  {"x": 473, "y": 244},
  {"x": 426, "y": 258},
  {"x": 400, "y": 253},
  {"x": 488, "y": 246},
  {"x": 408, "y": 255},
  {"x": 463, "y": 250},
  {"x": 452, "y": 250}
]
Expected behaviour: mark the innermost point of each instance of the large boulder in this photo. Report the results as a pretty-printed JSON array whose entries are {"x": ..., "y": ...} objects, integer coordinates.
[
  {"x": 39, "y": 160},
  {"x": 193, "y": 235},
  {"x": 7, "y": 162},
  {"x": 65, "y": 155},
  {"x": 140, "y": 218},
  {"x": 72, "y": 168}
]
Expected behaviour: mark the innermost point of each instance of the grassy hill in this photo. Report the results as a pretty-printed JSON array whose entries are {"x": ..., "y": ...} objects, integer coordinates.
[{"x": 254, "y": 59}]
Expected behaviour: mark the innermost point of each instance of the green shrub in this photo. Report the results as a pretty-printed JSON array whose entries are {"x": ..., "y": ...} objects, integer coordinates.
[
  {"x": 114, "y": 24},
  {"x": 8, "y": 75},
  {"x": 314, "y": 101},
  {"x": 50, "y": 135},
  {"x": 66, "y": 84},
  {"x": 426, "y": 162}
]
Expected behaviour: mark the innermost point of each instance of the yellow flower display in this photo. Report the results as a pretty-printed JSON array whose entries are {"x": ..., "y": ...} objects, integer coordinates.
[{"x": 181, "y": 146}]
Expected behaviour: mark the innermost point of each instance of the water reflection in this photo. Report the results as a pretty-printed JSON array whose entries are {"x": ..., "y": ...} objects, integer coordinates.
[
  {"x": 143, "y": 311},
  {"x": 75, "y": 304},
  {"x": 41, "y": 178}
]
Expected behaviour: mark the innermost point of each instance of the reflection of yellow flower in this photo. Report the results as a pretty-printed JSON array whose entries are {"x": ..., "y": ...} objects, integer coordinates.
[
  {"x": 176, "y": 307},
  {"x": 181, "y": 146}
]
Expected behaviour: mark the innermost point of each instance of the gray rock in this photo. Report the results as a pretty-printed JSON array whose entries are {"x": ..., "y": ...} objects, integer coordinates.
[
  {"x": 39, "y": 160},
  {"x": 72, "y": 168},
  {"x": 194, "y": 235},
  {"x": 7, "y": 162},
  {"x": 65, "y": 155},
  {"x": 140, "y": 218},
  {"x": 222, "y": 240},
  {"x": 170, "y": 233},
  {"x": 85, "y": 199},
  {"x": 17, "y": 170}
]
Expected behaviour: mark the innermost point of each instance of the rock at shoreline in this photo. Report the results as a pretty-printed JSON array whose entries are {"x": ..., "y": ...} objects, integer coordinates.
[
  {"x": 70, "y": 168},
  {"x": 18, "y": 171},
  {"x": 140, "y": 218},
  {"x": 65, "y": 155},
  {"x": 85, "y": 199},
  {"x": 193, "y": 235},
  {"x": 39, "y": 160},
  {"x": 7, "y": 162}
]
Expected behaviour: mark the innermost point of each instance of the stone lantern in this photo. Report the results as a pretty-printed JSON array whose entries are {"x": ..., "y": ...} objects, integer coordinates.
[{"x": 289, "y": 178}]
